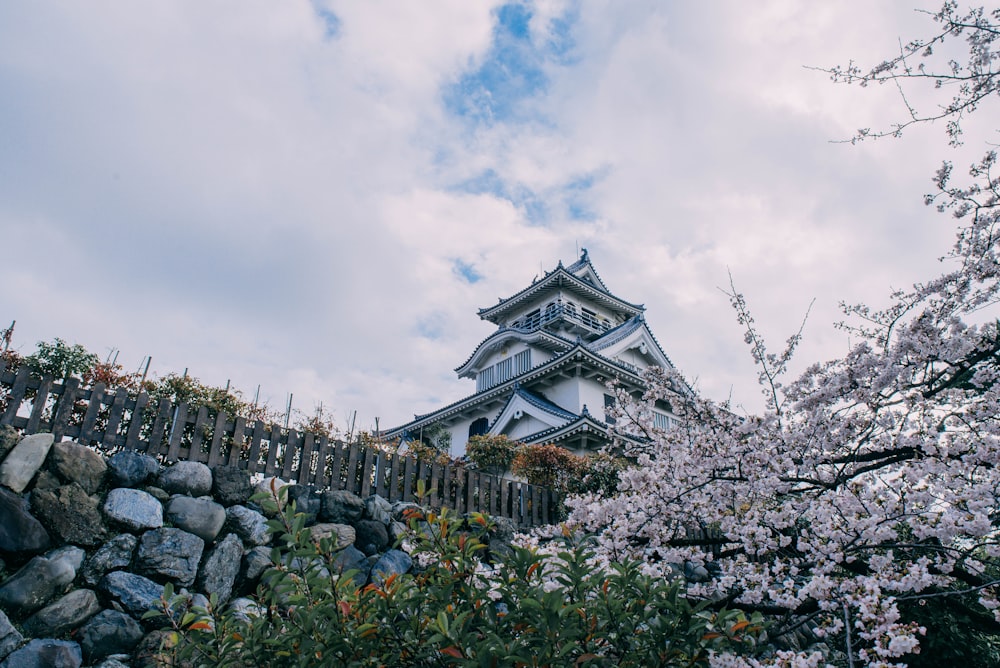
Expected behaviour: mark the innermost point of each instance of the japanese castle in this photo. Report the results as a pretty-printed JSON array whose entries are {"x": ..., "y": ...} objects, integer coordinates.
[{"x": 542, "y": 376}]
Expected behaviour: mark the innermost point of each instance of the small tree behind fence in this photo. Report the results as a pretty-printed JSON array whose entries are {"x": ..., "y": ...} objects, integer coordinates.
[{"x": 114, "y": 420}]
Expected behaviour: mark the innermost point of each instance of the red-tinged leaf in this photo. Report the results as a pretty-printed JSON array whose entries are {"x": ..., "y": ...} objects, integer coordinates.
[
  {"x": 200, "y": 626},
  {"x": 453, "y": 652},
  {"x": 584, "y": 658},
  {"x": 238, "y": 637},
  {"x": 531, "y": 569},
  {"x": 711, "y": 636},
  {"x": 389, "y": 580},
  {"x": 739, "y": 626},
  {"x": 345, "y": 608}
]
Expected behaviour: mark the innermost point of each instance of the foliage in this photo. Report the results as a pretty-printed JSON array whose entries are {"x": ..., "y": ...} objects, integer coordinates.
[
  {"x": 321, "y": 423},
  {"x": 61, "y": 360},
  {"x": 177, "y": 388},
  {"x": 530, "y": 609},
  {"x": 599, "y": 474},
  {"x": 493, "y": 454},
  {"x": 547, "y": 465},
  {"x": 432, "y": 445}
]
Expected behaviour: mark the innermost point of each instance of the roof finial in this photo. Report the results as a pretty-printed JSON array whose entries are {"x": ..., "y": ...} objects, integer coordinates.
[{"x": 583, "y": 255}]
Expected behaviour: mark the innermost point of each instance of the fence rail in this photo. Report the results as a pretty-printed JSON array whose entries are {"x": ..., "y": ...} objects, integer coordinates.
[{"x": 114, "y": 420}]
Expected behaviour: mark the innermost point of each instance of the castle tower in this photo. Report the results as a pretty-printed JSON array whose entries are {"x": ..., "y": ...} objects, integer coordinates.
[{"x": 542, "y": 376}]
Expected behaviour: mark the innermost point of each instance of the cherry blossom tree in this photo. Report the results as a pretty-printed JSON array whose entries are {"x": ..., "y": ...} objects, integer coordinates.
[{"x": 870, "y": 486}]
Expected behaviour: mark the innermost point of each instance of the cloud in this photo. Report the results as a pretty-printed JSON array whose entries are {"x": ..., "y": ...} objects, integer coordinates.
[{"x": 317, "y": 197}]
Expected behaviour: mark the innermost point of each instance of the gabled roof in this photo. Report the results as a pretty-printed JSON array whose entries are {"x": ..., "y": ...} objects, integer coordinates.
[
  {"x": 535, "y": 405},
  {"x": 540, "y": 337},
  {"x": 585, "y": 423},
  {"x": 629, "y": 334},
  {"x": 578, "y": 354},
  {"x": 583, "y": 280}
]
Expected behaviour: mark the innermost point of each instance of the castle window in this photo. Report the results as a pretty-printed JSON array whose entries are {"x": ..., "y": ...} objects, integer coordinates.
[{"x": 479, "y": 427}]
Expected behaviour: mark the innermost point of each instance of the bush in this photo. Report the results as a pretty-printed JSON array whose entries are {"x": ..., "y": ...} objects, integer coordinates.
[
  {"x": 492, "y": 454},
  {"x": 531, "y": 609},
  {"x": 547, "y": 465}
]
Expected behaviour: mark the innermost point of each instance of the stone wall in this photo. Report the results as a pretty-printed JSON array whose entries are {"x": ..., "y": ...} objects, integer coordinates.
[{"x": 87, "y": 543}]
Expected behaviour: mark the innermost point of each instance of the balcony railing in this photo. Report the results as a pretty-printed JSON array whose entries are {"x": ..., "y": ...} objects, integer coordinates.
[{"x": 565, "y": 312}]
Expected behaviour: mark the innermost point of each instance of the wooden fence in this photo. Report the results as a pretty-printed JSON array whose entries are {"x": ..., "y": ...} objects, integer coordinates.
[{"x": 113, "y": 421}]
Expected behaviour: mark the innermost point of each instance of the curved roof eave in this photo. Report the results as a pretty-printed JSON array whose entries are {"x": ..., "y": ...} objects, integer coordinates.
[
  {"x": 558, "y": 274},
  {"x": 578, "y": 353},
  {"x": 513, "y": 333}
]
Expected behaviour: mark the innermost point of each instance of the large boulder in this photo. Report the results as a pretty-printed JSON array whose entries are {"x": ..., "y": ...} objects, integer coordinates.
[
  {"x": 341, "y": 534},
  {"x": 222, "y": 565},
  {"x": 71, "y": 514},
  {"x": 40, "y": 580},
  {"x": 231, "y": 485},
  {"x": 190, "y": 478},
  {"x": 109, "y": 632},
  {"x": 132, "y": 469},
  {"x": 77, "y": 463},
  {"x": 114, "y": 554},
  {"x": 306, "y": 499},
  {"x": 134, "y": 593},
  {"x": 133, "y": 509},
  {"x": 169, "y": 554},
  {"x": 10, "y": 638},
  {"x": 9, "y": 437},
  {"x": 378, "y": 509},
  {"x": 341, "y": 507},
  {"x": 46, "y": 653},
  {"x": 23, "y": 462},
  {"x": 20, "y": 531},
  {"x": 202, "y": 517},
  {"x": 65, "y": 614},
  {"x": 371, "y": 536},
  {"x": 248, "y": 524},
  {"x": 393, "y": 562}
]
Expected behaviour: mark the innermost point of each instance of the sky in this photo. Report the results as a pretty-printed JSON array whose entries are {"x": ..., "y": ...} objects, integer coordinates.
[{"x": 316, "y": 197}]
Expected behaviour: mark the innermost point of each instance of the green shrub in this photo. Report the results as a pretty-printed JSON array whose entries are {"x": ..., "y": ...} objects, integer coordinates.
[
  {"x": 530, "y": 610},
  {"x": 492, "y": 454}
]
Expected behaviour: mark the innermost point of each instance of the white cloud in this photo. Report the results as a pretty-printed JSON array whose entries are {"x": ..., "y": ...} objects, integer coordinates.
[{"x": 247, "y": 195}]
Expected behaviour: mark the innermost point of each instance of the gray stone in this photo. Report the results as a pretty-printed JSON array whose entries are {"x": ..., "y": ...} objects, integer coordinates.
[
  {"x": 191, "y": 478},
  {"x": 341, "y": 534},
  {"x": 132, "y": 469},
  {"x": 10, "y": 638},
  {"x": 390, "y": 563},
  {"x": 23, "y": 462},
  {"x": 63, "y": 615},
  {"x": 39, "y": 581},
  {"x": 133, "y": 509},
  {"x": 245, "y": 609},
  {"x": 248, "y": 524},
  {"x": 397, "y": 532},
  {"x": 72, "y": 515},
  {"x": 160, "y": 495},
  {"x": 157, "y": 650},
  {"x": 341, "y": 507},
  {"x": 46, "y": 653},
  {"x": 70, "y": 555},
  {"x": 77, "y": 463},
  {"x": 134, "y": 593},
  {"x": 47, "y": 480},
  {"x": 231, "y": 485},
  {"x": 114, "y": 554},
  {"x": 171, "y": 554},
  {"x": 255, "y": 562},
  {"x": 401, "y": 509},
  {"x": 371, "y": 536},
  {"x": 202, "y": 517},
  {"x": 306, "y": 499},
  {"x": 222, "y": 565},
  {"x": 115, "y": 661},
  {"x": 271, "y": 488},
  {"x": 20, "y": 531},
  {"x": 378, "y": 509},
  {"x": 352, "y": 559},
  {"x": 109, "y": 632},
  {"x": 9, "y": 437}
]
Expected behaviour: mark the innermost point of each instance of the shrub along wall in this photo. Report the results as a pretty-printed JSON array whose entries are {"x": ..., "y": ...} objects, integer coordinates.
[{"x": 87, "y": 543}]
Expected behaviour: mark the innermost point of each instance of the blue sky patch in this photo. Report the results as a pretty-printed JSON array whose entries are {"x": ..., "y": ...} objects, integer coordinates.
[
  {"x": 512, "y": 72},
  {"x": 331, "y": 22},
  {"x": 465, "y": 271}
]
